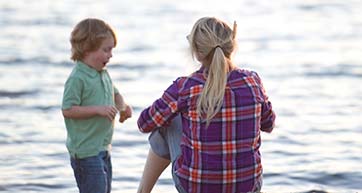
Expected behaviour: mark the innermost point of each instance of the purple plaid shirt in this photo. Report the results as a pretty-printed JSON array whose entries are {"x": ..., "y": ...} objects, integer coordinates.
[{"x": 225, "y": 156}]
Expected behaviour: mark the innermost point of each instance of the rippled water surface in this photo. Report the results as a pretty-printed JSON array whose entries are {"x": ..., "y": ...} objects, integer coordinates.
[{"x": 308, "y": 53}]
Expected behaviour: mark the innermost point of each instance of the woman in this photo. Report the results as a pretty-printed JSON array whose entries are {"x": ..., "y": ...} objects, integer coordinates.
[{"x": 208, "y": 124}]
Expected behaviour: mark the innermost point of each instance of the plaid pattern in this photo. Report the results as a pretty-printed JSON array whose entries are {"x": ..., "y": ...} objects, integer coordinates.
[{"x": 225, "y": 156}]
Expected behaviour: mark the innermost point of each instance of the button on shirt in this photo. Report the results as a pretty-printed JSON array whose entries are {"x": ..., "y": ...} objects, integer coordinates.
[
  {"x": 85, "y": 87},
  {"x": 225, "y": 156}
]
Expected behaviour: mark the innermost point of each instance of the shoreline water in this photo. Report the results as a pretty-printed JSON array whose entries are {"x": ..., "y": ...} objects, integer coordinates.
[{"x": 306, "y": 52}]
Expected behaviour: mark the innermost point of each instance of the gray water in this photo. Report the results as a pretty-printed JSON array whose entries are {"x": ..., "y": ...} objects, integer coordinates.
[{"x": 308, "y": 53}]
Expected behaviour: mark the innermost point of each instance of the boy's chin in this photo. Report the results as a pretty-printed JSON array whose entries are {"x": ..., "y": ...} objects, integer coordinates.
[
  {"x": 103, "y": 66},
  {"x": 100, "y": 68}
]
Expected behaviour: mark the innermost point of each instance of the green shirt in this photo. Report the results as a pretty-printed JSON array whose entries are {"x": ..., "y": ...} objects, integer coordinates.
[{"x": 86, "y": 87}]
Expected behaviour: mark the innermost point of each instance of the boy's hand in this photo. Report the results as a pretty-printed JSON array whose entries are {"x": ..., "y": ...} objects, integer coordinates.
[
  {"x": 124, "y": 115},
  {"x": 107, "y": 111}
]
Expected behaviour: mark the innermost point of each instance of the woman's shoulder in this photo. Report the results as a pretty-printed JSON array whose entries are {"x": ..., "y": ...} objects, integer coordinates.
[
  {"x": 241, "y": 76},
  {"x": 241, "y": 72},
  {"x": 196, "y": 76},
  {"x": 184, "y": 83}
]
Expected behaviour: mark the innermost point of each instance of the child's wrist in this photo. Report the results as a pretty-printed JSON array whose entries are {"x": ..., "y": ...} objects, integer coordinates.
[
  {"x": 123, "y": 107},
  {"x": 97, "y": 111}
]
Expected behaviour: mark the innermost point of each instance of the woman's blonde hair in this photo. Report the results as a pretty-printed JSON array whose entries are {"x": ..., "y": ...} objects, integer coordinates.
[
  {"x": 212, "y": 43},
  {"x": 88, "y": 35}
]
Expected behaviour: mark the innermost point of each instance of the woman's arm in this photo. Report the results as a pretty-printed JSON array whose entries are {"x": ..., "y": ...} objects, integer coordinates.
[
  {"x": 161, "y": 111},
  {"x": 267, "y": 114}
]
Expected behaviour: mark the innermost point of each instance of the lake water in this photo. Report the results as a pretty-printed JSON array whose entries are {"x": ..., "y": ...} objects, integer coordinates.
[{"x": 308, "y": 53}]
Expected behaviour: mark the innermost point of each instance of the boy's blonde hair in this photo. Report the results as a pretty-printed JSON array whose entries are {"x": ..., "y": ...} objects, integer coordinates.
[
  {"x": 213, "y": 42},
  {"x": 88, "y": 35}
]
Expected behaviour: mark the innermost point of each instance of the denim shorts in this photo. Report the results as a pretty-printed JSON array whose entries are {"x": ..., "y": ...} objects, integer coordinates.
[
  {"x": 93, "y": 174},
  {"x": 165, "y": 142}
]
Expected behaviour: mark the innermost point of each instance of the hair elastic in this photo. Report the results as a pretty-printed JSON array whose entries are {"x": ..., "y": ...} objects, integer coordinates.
[{"x": 234, "y": 29}]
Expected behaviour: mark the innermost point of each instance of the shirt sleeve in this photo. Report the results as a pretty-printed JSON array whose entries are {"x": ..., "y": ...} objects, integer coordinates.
[
  {"x": 267, "y": 113},
  {"x": 161, "y": 111},
  {"x": 115, "y": 90},
  {"x": 72, "y": 93}
]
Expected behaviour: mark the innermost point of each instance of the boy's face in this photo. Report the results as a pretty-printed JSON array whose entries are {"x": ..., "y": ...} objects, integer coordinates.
[{"x": 99, "y": 58}]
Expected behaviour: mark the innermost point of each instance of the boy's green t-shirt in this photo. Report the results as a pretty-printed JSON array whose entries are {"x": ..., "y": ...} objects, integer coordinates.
[{"x": 87, "y": 87}]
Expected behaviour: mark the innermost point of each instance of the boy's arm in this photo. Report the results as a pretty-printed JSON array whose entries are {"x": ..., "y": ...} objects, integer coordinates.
[
  {"x": 120, "y": 104},
  {"x": 72, "y": 99},
  {"x": 124, "y": 109},
  {"x": 85, "y": 112}
]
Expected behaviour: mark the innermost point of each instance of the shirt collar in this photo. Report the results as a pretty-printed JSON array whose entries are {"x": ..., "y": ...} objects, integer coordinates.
[
  {"x": 87, "y": 69},
  {"x": 201, "y": 69}
]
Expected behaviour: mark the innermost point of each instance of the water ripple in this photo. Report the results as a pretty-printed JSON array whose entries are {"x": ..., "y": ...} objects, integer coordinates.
[
  {"x": 315, "y": 191},
  {"x": 17, "y": 94},
  {"x": 341, "y": 179},
  {"x": 340, "y": 70},
  {"x": 34, "y": 186}
]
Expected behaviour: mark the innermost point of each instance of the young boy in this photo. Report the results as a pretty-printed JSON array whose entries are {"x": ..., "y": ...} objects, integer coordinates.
[{"x": 90, "y": 104}]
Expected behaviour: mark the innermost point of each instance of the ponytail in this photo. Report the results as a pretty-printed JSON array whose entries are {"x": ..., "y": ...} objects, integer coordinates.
[
  {"x": 212, "y": 96},
  {"x": 212, "y": 42}
]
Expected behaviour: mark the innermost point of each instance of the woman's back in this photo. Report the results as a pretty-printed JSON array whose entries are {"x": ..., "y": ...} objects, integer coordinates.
[
  {"x": 226, "y": 153},
  {"x": 223, "y": 109}
]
